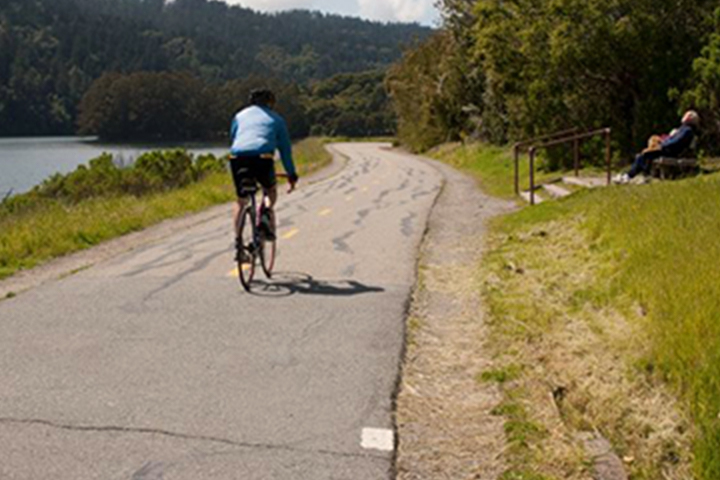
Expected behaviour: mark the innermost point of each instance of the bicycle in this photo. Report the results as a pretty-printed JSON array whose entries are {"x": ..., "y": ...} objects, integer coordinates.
[{"x": 253, "y": 243}]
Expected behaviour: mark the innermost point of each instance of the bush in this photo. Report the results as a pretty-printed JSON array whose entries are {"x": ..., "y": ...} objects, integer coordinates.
[{"x": 152, "y": 172}]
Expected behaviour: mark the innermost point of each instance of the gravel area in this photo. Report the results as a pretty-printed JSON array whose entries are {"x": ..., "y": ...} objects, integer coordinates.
[{"x": 445, "y": 425}]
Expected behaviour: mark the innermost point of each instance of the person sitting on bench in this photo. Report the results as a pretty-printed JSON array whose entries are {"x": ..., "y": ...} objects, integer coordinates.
[{"x": 673, "y": 145}]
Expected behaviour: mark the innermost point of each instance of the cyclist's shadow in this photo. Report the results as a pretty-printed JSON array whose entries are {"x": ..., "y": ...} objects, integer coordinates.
[{"x": 285, "y": 284}]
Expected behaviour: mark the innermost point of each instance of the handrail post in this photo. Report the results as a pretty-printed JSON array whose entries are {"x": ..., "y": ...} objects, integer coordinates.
[
  {"x": 576, "y": 155},
  {"x": 608, "y": 157},
  {"x": 521, "y": 146},
  {"x": 516, "y": 152},
  {"x": 532, "y": 176}
]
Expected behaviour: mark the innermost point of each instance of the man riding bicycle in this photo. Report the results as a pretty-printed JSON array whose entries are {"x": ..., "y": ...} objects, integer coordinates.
[{"x": 256, "y": 133}]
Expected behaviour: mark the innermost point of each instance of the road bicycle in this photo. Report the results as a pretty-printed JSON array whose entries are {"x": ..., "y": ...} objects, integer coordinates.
[{"x": 254, "y": 247}]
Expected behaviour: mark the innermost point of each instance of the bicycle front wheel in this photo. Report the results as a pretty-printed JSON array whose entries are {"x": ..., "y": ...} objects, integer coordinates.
[
  {"x": 267, "y": 256},
  {"x": 247, "y": 251}
]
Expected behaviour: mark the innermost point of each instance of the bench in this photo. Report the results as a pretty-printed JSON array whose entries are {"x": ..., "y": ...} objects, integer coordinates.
[{"x": 666, "y": 168}]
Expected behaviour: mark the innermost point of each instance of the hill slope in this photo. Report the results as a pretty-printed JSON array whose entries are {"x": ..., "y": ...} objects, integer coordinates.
[{"x": 52, "y": 50}]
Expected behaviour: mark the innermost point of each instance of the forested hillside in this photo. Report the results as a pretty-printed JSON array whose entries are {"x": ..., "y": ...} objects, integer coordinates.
[
  {"x": 51, "y": 51},
  {"x": 513, "y": 69}
]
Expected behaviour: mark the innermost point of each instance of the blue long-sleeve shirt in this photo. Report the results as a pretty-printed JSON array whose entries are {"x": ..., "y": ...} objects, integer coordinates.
[
  {"x": 676, "y": 145},
  {"x": 258, "y": 131}
]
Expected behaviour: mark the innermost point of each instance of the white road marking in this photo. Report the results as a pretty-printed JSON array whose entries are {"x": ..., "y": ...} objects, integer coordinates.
[{"x": 380, "y": 439}]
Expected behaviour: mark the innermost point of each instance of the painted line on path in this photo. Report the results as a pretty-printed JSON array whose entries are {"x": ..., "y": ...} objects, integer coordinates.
[
  {"x": 235, "y": 272},
  {"x": 290, "y": 234},
  {"x": 380, "y": 439}
]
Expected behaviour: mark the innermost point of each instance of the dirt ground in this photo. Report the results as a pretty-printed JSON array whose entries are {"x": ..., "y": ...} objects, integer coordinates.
[{"x": 445, "y": 425}]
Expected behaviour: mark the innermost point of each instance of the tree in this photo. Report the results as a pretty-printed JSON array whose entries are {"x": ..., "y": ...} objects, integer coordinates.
[{"x": 704, "y": 95}]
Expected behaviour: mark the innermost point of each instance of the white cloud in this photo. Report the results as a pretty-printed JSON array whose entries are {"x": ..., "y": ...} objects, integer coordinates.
[
  {"x": 396, "y": 10},
  {"x": 274, "y": 5},
  {"x": 422, "y": 11}
]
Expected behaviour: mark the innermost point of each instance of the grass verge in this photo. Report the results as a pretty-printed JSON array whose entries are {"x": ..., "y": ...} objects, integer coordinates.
[
  {"x": 493, "y": 167},
  {"x": 607, "y": 304},
  {"x": 31, "y": 237}
]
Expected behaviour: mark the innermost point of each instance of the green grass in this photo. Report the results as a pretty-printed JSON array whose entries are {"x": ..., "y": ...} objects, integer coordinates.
[
  {"x": 30, "y": 238},
  {"x": 492, "y": 166},
  {"x": 660, "y": 244},
  {"x": 310, "y": 155},
  {"x": 500, "y": 375},
  {"x": 666, "y": 238}
]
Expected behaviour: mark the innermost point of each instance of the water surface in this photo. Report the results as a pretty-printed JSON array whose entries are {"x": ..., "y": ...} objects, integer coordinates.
[{"x": 26, "y": 162}]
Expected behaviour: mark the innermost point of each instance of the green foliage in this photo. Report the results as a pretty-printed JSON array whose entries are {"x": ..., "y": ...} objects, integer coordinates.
[
  {"x": 435, "y": 94},
  {"x": 177, "y": 106},
  {"x": 533, "y": 67},
  {"x": 151, "y": 173},
  {"x": 52, "y": 50},
  {"x": 152, "y": 106},
  {"x": 705, "y": 92},
  {"x": 351, "y": 105}
]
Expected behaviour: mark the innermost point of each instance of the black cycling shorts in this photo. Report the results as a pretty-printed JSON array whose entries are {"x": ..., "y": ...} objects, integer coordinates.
[{"x": 261, "y": 170}]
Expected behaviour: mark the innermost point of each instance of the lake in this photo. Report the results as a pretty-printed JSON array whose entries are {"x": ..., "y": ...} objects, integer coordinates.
[{"x": 26, "y": 162}]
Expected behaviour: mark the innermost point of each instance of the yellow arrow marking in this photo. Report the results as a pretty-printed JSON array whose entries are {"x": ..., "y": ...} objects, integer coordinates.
[
  {"x": 325, "y": 212},
  {"x": 290, "y": 234}
]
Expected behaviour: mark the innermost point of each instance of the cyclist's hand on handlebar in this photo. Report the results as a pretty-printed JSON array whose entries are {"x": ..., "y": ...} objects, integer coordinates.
[{"x": 292, "y": 180}]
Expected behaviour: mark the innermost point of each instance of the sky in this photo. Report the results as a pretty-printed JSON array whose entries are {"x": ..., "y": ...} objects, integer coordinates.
[{"x": 421, "y": 11}]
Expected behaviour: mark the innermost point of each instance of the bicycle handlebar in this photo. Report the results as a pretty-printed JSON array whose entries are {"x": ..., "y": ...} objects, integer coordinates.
[{"x": 285, "y": 175}]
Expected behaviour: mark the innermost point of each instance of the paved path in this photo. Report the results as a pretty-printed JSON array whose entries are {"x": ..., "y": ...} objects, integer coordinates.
[{"x": 155, "y": 365}]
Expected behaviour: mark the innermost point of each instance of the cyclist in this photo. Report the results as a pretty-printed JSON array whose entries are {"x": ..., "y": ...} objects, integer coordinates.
[{"x": 256, "y": 133}]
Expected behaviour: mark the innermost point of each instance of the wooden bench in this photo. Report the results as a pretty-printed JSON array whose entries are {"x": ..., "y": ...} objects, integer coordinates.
[{"x": 667, "y": 168}]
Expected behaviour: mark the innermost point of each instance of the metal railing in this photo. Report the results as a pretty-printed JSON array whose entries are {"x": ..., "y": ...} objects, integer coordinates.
[
  {"x": 530, "y": 142},
  {"x": 575, "y": 139}
]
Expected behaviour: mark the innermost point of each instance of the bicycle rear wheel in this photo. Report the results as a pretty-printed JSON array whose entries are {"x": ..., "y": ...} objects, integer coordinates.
[{"x": 247, "y": 252}]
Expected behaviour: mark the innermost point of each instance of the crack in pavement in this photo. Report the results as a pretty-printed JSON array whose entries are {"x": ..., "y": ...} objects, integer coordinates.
[
  {"x": 196, "y": 267},
  {"x": 340, "y": 243},
  {"x": 184, "y": 436}
]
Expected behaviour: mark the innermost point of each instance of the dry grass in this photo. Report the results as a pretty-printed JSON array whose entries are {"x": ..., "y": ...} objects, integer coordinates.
[
  {"x": 445, "y": 426},
  {"x": 614, "y": 308},
  {"x": 443, "y": 419},
  {"x": 545, "y": 290}
]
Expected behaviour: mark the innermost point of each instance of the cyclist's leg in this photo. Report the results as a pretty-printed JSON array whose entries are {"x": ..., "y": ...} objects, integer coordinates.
[
  {"x": 265, "y": 175},
  {"x": 237, "y": 210},
  {"x": 271, "y": 194},
  {"x": 240, "y": 170}
]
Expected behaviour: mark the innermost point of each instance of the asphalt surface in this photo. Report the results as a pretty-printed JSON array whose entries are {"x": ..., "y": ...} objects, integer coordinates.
[{"x": 155, "y": 364}]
